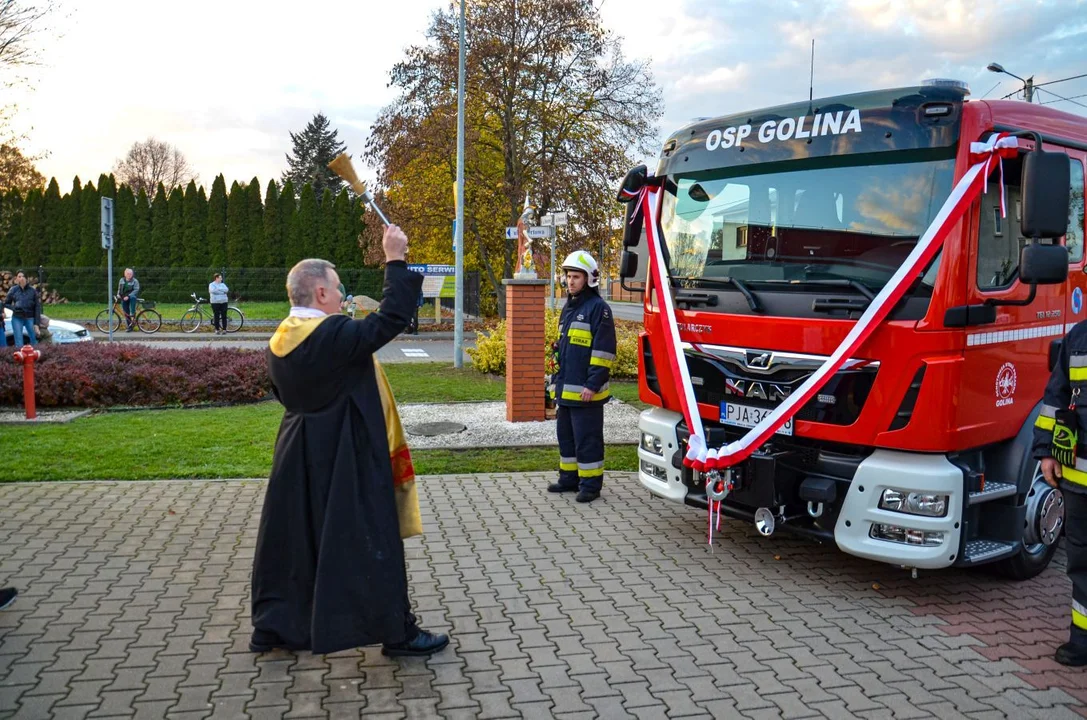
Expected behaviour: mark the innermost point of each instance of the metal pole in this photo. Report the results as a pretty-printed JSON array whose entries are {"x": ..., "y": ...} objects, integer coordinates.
[
  {"x": 1028, "y": 89},
  {"x": 109, "y": 291},
  {"x": 458, "y": 311},
  {"x": 554, "y": 242}
]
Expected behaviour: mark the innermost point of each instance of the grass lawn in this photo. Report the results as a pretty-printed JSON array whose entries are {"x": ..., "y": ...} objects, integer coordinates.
[
  {"x": 169, "y": 311},
  {"x": 237, "y": 441}
]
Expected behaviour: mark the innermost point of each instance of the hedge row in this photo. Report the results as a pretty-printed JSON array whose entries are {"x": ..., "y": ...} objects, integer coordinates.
[{"x": 96, "y": 375}]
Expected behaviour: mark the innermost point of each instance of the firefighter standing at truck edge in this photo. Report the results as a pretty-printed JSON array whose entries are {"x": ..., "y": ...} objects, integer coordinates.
[
  {"x": 586, "y": 355},
  {"x": 1060, "y": 443}
]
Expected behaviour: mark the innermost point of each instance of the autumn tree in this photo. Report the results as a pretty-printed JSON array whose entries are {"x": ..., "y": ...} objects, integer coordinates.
[
  {"x": 555, "y": 112},
  {"x": 151, "y": 163},
  {"x": 17, "y": 171}
]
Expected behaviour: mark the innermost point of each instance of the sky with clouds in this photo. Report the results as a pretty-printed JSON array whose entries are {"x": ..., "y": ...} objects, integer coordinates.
[{"x": 225, "y": 80}]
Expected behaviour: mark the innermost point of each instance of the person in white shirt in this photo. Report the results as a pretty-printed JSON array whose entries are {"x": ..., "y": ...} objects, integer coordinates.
[{"x": 217, "y": 295}]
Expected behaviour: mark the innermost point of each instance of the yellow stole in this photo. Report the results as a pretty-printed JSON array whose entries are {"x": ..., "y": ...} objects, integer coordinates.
[{"x": 288, "y": 336}]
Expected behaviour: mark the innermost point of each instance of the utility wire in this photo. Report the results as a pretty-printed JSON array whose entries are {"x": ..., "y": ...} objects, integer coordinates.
[
  {"x": 1074, "y": 102},
  {"x": 1054, "y": 82},
  {"x": 1074, "y": 97}
]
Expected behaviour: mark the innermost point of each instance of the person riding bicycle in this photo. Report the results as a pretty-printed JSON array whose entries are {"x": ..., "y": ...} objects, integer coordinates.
[{"x": 128, "y": 291}]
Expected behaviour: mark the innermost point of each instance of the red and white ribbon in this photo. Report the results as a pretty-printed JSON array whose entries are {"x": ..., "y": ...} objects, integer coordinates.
[{"x": 699, "y": 455}]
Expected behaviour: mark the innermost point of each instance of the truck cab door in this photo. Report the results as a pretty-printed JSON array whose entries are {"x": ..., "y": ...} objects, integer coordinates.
[{"x": 1076, "y": 306}]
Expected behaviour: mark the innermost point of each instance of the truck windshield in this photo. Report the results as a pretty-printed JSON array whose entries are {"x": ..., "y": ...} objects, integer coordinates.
[{"x": 840, "y": 219}]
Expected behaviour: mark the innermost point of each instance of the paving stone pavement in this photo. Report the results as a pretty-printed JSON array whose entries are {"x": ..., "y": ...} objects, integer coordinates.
[{"x": 135, "y": 604}]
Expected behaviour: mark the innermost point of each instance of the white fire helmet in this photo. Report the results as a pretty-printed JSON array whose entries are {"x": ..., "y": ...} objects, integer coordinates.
[{"x": 583, "y": 261}]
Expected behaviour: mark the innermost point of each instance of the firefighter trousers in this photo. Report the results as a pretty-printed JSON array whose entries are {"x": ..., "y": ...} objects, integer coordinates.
[
  {"x": 581, "y": 446},
  {"x": 1075, "y": 545}
]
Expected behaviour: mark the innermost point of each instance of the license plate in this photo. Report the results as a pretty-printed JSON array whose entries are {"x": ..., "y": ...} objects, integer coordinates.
[{"x": 746, "y": 416}]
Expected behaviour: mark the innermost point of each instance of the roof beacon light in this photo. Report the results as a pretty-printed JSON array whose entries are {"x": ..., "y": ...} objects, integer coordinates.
[{"x": 947, "y": 83}]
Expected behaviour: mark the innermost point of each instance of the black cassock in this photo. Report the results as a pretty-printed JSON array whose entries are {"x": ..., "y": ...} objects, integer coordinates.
[{"x": 329, "y": 571}]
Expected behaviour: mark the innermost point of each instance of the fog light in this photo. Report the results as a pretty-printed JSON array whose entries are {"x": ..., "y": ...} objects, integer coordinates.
[
  {"x": 652, "y": 443},
  {"x": 906, "y": 536},
  {"x": 914, "y": 503},
  {"x": 655, "y": 472}
]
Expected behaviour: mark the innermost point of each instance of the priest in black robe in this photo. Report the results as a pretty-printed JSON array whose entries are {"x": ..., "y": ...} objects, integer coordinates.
[{"x": 329, "y": 571}]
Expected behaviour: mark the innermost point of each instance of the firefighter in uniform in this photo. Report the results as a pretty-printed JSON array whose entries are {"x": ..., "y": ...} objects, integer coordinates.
[
  {"x": 586, "y": 355},
  {"x": 1060, "y": 443}
]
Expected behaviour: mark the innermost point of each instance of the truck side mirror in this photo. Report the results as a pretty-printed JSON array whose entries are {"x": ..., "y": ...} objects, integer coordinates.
[
  {"x": 1045, "y": 189},
  {"x": 632, "y": 183},
  {"x": 1044, "y": 264},
  {"x": 628, "y": 265}
]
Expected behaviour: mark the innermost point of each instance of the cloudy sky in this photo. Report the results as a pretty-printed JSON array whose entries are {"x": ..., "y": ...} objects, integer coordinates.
[{"x": 225, "y": 80}]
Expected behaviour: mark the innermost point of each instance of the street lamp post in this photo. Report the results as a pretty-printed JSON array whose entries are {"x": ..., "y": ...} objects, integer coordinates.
[
  {"x": 458, "y": 306},
  {"x": 1028, "y": 84}
]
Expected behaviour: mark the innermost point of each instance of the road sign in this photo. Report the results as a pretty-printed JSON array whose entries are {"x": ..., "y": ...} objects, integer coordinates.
[
  {"x": 561, "y": 219},
  {"x": 547, "y": 220},
  {"x": 511, "y": 233},
  {"x": 107, "y": 223},
  {"x": 539, "y": 232}
]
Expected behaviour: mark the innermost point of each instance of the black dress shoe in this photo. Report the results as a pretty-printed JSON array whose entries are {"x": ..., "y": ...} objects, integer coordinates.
[
  {"x": 559, "y": 488},
  {"x": 263, "y": 641},
  {"x": 424, "y": 643},
  {"x": 587, "y": 496},
  {"x": 7, "y": 596},
  {"x": 1071, "y": 654}
]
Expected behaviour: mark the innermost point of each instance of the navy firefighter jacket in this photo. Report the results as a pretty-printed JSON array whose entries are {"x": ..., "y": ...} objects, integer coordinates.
[{"x": 586, "y": 352}]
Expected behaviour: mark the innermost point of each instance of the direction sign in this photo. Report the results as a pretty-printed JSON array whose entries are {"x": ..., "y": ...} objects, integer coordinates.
[
  {"x": 561, "y": 219},
  {"x": 107, "y": 223},
  {"x": 547, "y": 220},
  {"x": 511, "y": 233},
  {"x": 539, "y": 232}
]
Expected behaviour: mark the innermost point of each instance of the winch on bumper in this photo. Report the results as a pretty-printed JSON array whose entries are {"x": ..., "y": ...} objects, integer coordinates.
[{"x": 894, "y": 507}]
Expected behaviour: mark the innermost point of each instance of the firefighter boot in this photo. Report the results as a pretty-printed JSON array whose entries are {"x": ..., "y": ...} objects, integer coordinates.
[{"x": 1071, "y": 654}]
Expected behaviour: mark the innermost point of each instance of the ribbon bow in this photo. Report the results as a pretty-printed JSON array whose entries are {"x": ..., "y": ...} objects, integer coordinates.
[{"x": 995, "y": 149}]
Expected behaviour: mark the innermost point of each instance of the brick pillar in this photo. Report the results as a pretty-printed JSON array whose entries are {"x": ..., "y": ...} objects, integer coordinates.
[{"x": 525, "y": 349}]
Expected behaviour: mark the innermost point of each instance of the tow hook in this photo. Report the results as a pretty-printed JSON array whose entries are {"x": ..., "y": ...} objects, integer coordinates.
[{"x": 815, "y": 509}]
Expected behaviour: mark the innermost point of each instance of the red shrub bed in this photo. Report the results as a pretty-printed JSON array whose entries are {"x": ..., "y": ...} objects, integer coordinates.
[{"x": 104, "y": 375}]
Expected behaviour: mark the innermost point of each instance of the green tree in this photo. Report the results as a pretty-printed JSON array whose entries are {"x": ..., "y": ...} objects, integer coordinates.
[
  {"x": 288, "y": 223},
  {"x": 90, "y": 227},
  {"x": 11, "y": 227},
  {"x": 160, "y": 229},
  {"x": 216, "y": 232},
  {"x": 313, "y": 149},
  {"x": 273, "y": 227},
  {"x": 307, "y": 225},
  {"x": 196, "y": 225},
  {"x": 326, "y": 227},
  {"x": 258, "y": 247},
  {"x": 346, "y": 240},
  {"x": 69, "y": 228},
  {"x": 144, "y": 253},
  {"x": 52, "y": 222},
  {"x": 30, "y": 241},
  {"x": 124, "y": 232},
  {"x": 176, "y": 203},
  {"x": 237, "y": 230}
]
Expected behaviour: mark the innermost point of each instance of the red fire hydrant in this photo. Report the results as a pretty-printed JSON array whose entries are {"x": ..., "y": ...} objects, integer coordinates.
[{"x": 26, "y": 357}]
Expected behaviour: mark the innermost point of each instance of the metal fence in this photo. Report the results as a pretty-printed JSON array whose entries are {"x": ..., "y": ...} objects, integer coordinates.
[{"x": 175, "y": 285}]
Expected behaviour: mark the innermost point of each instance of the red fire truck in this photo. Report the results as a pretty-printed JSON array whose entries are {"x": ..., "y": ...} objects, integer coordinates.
[{"x": 778, "y": 228}]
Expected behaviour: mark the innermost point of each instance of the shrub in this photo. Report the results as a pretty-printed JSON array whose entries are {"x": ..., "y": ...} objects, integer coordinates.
[
  {"x": 104, "y": 375},
  {"x": 489, "y": 354}
]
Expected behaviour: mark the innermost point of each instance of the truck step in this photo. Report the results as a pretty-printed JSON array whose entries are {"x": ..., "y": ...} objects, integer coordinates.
[
  {"x": 992, "y": 491},
  {"x": 983, "y": 551}
]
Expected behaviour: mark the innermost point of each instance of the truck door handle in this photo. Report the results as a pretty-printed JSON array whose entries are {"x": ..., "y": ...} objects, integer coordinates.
[{"x": 696, "y": 298}]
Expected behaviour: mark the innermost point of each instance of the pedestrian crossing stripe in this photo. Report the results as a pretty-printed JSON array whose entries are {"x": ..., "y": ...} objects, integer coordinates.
[{"x": 414, "y": 352}]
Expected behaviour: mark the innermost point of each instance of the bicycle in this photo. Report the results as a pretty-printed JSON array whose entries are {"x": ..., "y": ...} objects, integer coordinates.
[
  {"x": 194, "y": 317},
  {"x": 147, "y": 319}
]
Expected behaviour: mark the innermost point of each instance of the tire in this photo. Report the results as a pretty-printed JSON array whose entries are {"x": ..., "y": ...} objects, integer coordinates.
[
  {"x": 190, "y": 321},
  {"x": 1041, "y": 532},
  {"x": 103, "y": 319},
  {"x": 234, "y": 319},
  {"x": 149, "y": 321}
]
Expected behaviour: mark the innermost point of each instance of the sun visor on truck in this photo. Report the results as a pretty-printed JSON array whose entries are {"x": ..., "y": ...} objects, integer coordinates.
[{"x": 874, "y": 122}]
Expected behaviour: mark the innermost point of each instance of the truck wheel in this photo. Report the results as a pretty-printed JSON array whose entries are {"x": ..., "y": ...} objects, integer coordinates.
[{"x": 1041, "y": 530}]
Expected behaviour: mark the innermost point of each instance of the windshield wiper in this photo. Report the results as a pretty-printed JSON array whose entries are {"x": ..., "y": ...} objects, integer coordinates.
[{"x": 752, "y": 300}]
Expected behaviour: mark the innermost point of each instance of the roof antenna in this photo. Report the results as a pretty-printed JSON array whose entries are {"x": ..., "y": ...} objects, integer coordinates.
[{"x": 811, "y": 79}]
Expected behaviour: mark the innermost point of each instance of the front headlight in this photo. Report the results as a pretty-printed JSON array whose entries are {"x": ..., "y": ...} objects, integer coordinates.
[
  {"x": 914, "y": 503},
  {"x": 62, "y": 335},
  {"x": 651, "y": 443}
]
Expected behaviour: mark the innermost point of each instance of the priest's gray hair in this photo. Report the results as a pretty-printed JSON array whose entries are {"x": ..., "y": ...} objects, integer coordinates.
[{"x": 304, "y": 278}]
